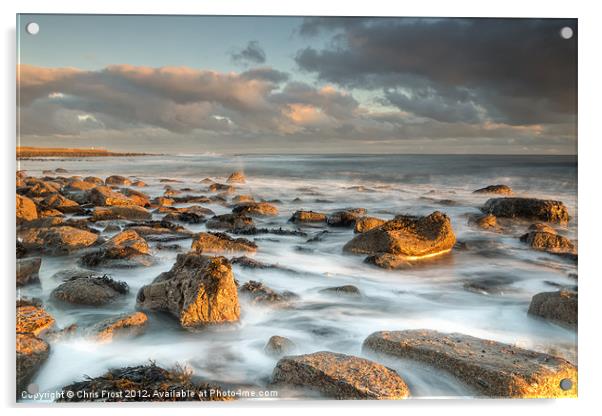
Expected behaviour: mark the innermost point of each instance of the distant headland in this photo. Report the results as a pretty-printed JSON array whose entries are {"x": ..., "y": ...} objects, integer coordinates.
[{"x": 30, "y": 152}]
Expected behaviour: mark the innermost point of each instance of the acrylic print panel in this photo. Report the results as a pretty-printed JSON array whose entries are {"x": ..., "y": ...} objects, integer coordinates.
[{"x": 252, "y": 208}]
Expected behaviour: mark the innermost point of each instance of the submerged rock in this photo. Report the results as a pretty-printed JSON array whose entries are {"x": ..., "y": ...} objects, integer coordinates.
[
  {"x": 560, "y": 307},
  {"x": 528, "y": 208},
  {"x": 255, "y": 208},
  {"x": 198, "y": 290},
  {"x": 493, "y": 368},
  {"x": 495, "y": 189},
  {"x": 366, "y": 224},
  {"x": 231, "y": 222},
  {"x": 124, "y": 325},
  {"x": 308, "y": 216},
  {"x": 27, "y": 270},
  {"x": 259, "y": 293},
  {"x": 405, "y": 238},
  {"x": 220, "y": 187},
  {"x": 278, "y": 346},
  {"x": 549, "y": 242},
  {"x": 26, "y": 209},
  {"x": 126, "y": 249},
  {"x": 221, "y": 243},
  {"x": 93, "y": 291},
  {"x": 485, "y": 221},
  {"x": 346, "y": 290},
  {"x": 346, "y": 217},
  {"x": 237, "y": 177},
  {"x": 58, "y": 240},
  {"x": 340, "y": 376},
  {"x": 161, "y": 385}
]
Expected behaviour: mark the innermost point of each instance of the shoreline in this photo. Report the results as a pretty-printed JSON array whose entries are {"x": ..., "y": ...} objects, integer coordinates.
[{"x": 27, "y": 152}]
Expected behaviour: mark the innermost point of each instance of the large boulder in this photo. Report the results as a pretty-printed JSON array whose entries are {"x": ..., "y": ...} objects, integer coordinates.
[
  {"x": 198, "y": 290},
  {"x": 27, "y": 270},
  {"x": 120, "y": 326},
  {"x": 560, "y": 307},
  {"x": 93, "y": 291},
  {"x": 340, "y": 376},
  {"x": 58, "y": 240},
  {"x": 346, "y": 217},
  {"x": 549, "y": 242},
  {"x": 221, "y": 243},
  {"x": 26, "y": 209},
  {"x": 527, "y": 208},
  {"x": 117, "y": 180},
  {"x": 105, "y": 196},
  {"x": 366, "y": 224},
  {"x": 308, "y": 216},
  {"x": 161, "y": 385},
  {"x": 255, "y": 209},
  {"x": 237, "y": 177},
  {"x": 125, "y": 212},
  {"x": 126, "y": 249},
  {"x": 406, "y": 238},
  {"x": 495, "y": 189},
  {"x": 492, "y": 368},
  {"x": 231, "y": 222}
]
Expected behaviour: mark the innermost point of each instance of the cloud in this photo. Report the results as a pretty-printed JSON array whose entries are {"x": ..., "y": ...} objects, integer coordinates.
[
  {"x": 253, "y": 53},
  {"x": 515, "y": 71}
]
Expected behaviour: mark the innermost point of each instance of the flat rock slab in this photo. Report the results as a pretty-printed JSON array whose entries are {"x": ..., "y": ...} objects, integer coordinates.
[
  {"x": 340, "y": 376},
  {"x": 493, "y": 368}
]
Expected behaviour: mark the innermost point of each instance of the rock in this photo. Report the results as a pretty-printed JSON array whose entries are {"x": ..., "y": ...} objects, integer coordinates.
[
  {"x": 161, "y": 385},
  {"x": 539, "y": 226},
  {"x": 242, "y": 198},
  {"x": 58, "y": 240},
  {"x": 95, "y": 180},
  {"x": 231, "y": 222},
  {"x": 340, "y": 376},
  {"x": 105, "y": 196},
  {"x": 75, "y": 272},
  {"x": 59, "y": 202},
  {"x": 138, "y": 198},
  {"x": 527, "y": 208},
  {"x": 153, "y": 229},
  {"x": 493, "y": 368},
  {"x": 259, "y": 293},
  {"x": 32, "y": 318},
  {"x": 255, "y": 208},
  {"x": 111, "y": 228},
  {"x": 161, "y": 200},
  {"x": 44, "y": 213},
  {"x": 237, "y": 177},
  {"x": 548, "y": 242},
  {"x": 278, "y": 346},
  {"x": 250, "y": 263},
  {"x": 366, "y": 224},
  {"x": 26, "y": 209},
  {"x": 192, "y": 199},
  {"x": 31, "y": 353},
  {"x": 194, "y": 214},
  {"x": 346, "y": 290},
  {"x": 138, "y": 184},
  {"x": 126, "y": 249},
  {"x": 40, "y": 188},
  {"x": 308, "y": 216},
  {"x": 27, "y": 270},
  {"x": 77, "y": 186},
  {"x": 124, "y": 325},
  {"x": 405, "y": 238},
  {"x": 20, "y": 250},
  {"x": 346, "y": 217},
  {"x": 126, "y": 212},
  {"x": 93, "y": 291},
  {"x": 221, "y": 243},
  {"x": 198, "y": 290},
  {"x": 219, "y": 187},
  {"x": 485, "y": 221},
  {"x": 559, "y": 307},
  {"x": 117, "y": 180},
  {"x": 495, "y": 189}
]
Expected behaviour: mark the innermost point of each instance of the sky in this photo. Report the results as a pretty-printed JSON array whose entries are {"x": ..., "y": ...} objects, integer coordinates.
[{"x": 236, "y": 84}]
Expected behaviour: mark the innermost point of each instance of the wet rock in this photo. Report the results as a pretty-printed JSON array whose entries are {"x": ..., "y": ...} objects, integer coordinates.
[
  {"x": 231, "y": 222},
  {"x": 121, "y": 326},
  {"x": 198, "y": 290},
  {"x": 249, "y": 263},
  {"x": 485, "y": 221},
  {"x": 160, "y": 230},
  {"x": 59, "y": 202},
  {"x": 278, "y": 346},
  {"x": 44, "y": 213},
  {"x": 238, "y": 199},
  {"x": 237, "y": 177},
  {"x": 276, "y": 231},
  {"x": 527, "y": 208},
  {"x": 255, "y": 209},
  {"x": 493, "y": 368},
  {"x": 308, "y": 216},
  {"x": 32, "y": 318},
  {"x": 93, "y": 291},
  {"x": 126, "y": 249},
  {"x": 161, "y": 385},
  {"x": 130, "y": 212},
  {"x": 95, "y": 180},
  {"x": 105, "y": 196},
  {"x": 548, "y": 242},
  {"x": 346, "y": 290},
  {"x": 539, "y": 226},
  {"x": 138, "y": 198},
  {"x": 72, "y": 273},
  {"x": 259, "y": 293},
  {"x": 219, "y": 187},
  {"x": 340, "y": 376},
  {"x": 163, "y": 201},
  {"x": 405, "y": 238},
  {"x": 27, "y": 270},
  {"x": 117, "y": 180},
  {"x": 77, "y": 186},
  {"x": 31, "y": 353},
  {"x": 57, "y": 240},
  {"x": 490, "y": 284},
  {"x": 495, "y": 189},
  {"x": 40, "y": 188},
  {"x": 346, "y": 218},
  {"x": 366, "y": 224},
  {"x": 112, "y": 228},
  {"x": 20, "y": 250},
  {"x": 26, "y": 209},
  {"x": 221, "y": 243},
  {"x": 138, "y": 184},
  {"x": 559, "y": 307},
  {"x": 192, "y": 199}
]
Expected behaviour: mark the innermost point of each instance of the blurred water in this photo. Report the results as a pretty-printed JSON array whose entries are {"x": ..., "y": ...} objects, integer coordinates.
[{"x": 433, "y": 296}]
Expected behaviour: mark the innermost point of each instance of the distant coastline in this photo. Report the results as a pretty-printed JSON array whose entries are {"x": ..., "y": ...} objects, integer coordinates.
[{"x": 26, "y": 152}]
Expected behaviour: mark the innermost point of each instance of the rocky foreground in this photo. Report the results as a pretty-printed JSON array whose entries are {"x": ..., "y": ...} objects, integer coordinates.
[{"x": 108, "y": 223}]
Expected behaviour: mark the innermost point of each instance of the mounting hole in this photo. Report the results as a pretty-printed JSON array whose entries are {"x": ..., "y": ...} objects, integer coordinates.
[
  {"x": 566, "y": 32},
  {"x": 566, "y": 384},
  {"x": 32, "y": 28}
]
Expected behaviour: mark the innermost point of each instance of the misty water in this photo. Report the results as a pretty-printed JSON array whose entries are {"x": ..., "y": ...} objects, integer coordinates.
[{"x": 435, "y": 295}]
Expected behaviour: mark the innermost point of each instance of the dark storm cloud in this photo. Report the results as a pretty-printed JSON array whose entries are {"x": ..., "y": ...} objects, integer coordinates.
[
  {"x": 519, "y": 71},
  {"x": 253, "y": 53}
]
